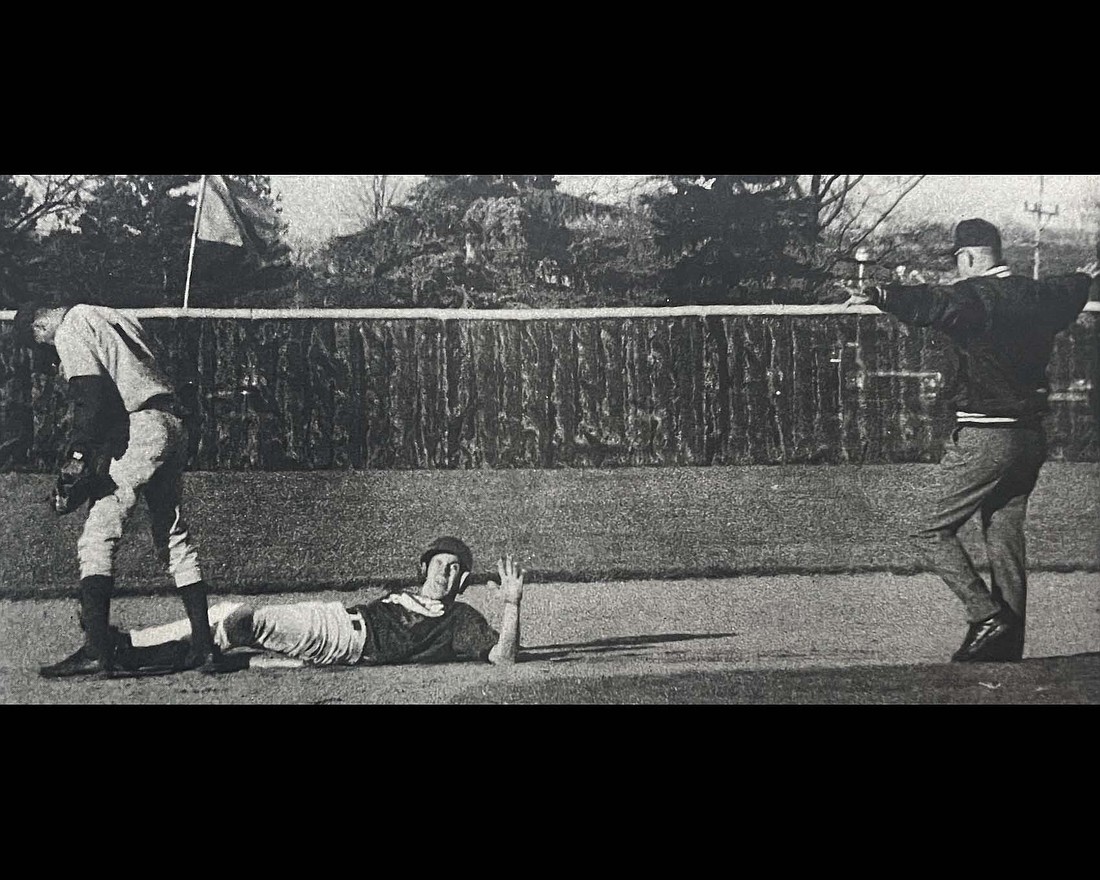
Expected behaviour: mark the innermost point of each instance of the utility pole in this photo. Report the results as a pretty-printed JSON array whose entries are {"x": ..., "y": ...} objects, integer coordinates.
[{"x": 1037, "y": 210}]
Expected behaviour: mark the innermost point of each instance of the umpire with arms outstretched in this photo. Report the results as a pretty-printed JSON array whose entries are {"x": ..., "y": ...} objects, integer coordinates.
[
  {"x": 128, "y": 440},
  {"x": 1001, "y": 328}
]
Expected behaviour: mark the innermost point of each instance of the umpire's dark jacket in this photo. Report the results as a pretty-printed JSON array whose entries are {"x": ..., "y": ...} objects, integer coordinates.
[{"x": 1003, "y": 328}]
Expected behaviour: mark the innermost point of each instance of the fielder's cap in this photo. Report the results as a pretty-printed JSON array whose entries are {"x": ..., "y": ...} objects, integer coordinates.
[
  {"x": 976, "y": 233},
  {"x": 449, "y": 544}
]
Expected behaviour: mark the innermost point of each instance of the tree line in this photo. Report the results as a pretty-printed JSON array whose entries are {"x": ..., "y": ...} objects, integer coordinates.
[{"x": 481, "y": 241}]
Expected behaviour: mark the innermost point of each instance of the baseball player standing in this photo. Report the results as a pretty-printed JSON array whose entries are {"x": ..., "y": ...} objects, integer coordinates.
[
  {"x": 1001, "y": 329},
  {"x": 127, "y": 440},
  {"x": 422, "y": 624}
]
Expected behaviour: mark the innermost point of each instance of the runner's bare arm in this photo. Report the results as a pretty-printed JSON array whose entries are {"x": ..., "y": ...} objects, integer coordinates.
[{"x": 511, "y": 586}]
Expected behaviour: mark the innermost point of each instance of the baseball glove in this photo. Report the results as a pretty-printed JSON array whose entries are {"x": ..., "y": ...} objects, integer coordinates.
[{"x": 82, "y": 478}]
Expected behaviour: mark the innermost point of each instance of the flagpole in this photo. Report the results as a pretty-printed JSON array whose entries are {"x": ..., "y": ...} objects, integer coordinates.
[{"x": 194, "y": 238}]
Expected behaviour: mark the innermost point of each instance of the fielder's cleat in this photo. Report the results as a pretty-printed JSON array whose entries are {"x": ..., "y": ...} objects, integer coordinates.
[
  {"x": 161, "y": 659},
  {"x": 125, "y": 661},
  {"x": 209, "y": 661},
  {"x": 228, "y": 663},
  {"x": 997, "y": 639},
  {"x": 83, "y": 662}
]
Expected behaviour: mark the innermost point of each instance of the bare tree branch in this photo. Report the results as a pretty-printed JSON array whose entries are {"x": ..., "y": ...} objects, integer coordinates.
[
  {"x": 840, "y": 200},
  {"x": 885, "y": 214},
  {"x": 58, "y": 195},
  {"x": 853, "y": 219},
  {"x": 368, "y": 197},
  {"x": 825, "y": 195},
  {"x": 850, "y": 211}
]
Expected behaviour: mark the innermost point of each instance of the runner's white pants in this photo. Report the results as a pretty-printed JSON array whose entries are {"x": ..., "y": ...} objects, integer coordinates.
[
  {"x": 320, "y": 633},
  {"x": 317, "y": 633}
]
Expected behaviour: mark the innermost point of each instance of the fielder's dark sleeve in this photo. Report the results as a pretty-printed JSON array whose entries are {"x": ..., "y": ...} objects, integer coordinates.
[{"x": 97, "y": 410}]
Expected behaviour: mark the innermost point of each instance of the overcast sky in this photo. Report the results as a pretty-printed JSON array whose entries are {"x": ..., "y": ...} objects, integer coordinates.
[{"x": 317, "y": 206}]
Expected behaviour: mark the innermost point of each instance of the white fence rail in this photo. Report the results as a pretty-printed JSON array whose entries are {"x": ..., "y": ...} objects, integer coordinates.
[{"x": 504, "y": 314}]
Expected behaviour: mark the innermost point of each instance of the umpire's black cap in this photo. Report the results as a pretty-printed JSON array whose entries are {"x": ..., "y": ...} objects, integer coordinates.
[
  {"x": 449, "y": 544},
  {"x": 976, "y": 232}
]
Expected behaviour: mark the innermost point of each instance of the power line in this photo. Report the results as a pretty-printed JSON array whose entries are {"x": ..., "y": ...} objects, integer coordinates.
[{"x": 1040, "y": 213}]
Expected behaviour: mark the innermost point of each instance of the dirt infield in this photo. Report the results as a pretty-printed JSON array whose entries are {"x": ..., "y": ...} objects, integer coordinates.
[{"x": 864, "y": 639}]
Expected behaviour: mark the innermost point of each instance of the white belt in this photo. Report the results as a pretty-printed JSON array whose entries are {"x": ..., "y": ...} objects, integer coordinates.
[
  {"x": 359, "y": 640},
  {"x": 357, "y": 622}
]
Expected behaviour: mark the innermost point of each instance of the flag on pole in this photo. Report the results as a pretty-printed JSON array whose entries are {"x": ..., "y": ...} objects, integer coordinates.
[
  {"x": 219, "y": 218},
  {"x": 234, "y": 218}
]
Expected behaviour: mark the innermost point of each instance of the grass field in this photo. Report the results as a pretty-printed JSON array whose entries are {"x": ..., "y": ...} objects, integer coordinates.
[
  {"x": 656, "y": 586},
  {"x": 276, "y": 532}
]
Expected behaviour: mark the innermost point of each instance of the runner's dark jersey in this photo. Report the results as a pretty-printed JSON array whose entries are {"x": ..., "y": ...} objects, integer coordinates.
[{"x": 396, "y": 635}]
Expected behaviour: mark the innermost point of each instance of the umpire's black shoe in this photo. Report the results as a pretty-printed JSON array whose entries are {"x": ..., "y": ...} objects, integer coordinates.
[{"x": 997, "y": 639}]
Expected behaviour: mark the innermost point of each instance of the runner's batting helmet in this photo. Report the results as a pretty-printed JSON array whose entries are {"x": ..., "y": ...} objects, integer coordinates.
[{"x": 449, "y": 544}]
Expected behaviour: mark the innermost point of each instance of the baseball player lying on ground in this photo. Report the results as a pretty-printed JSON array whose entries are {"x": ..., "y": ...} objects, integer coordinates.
[{"x": 422, "y": 624}]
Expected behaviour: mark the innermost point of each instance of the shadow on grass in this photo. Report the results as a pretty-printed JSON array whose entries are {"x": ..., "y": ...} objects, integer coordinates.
[
  {"x": 572, "y": 650},
  {"x": 1035, "y": 681}
]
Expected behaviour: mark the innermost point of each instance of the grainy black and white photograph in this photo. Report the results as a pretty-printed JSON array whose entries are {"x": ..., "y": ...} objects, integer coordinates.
[{"x": 549, "y": 439}]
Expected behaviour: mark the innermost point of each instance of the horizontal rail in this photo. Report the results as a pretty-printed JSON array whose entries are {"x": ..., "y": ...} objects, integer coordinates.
[{"x": 594, "y": 314}]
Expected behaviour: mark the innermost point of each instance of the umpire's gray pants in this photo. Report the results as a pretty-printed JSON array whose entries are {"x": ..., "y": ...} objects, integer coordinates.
[
  {"x": 152, "y": 465},
  {"x": 991, "y": 470}
]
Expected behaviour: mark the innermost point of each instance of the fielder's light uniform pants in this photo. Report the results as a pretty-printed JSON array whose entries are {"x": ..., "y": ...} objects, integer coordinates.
[
  {"x": 992, "y": 471},
  {"x": 152, "y": 465},
  {"x": 318, "y": 633}
]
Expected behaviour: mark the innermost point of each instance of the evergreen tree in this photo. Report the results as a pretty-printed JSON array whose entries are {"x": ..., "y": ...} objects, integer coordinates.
[
  {"x": 461, "y": 240},
  {"x": 15, "y": 243},
  {"x": 727, "y": 237},
  {"x": 130, "y": 245}
]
